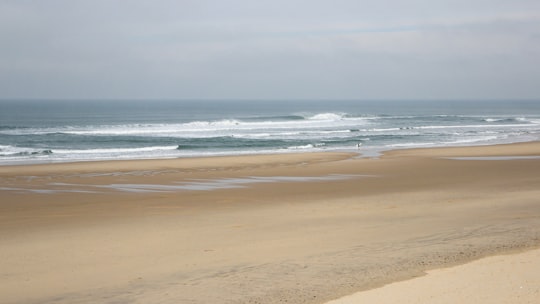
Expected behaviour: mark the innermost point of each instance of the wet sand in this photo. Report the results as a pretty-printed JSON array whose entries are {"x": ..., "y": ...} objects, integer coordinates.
[{"x": 301, "y": 228}]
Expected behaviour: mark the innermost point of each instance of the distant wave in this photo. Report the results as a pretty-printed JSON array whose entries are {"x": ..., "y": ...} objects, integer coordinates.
[
  {"x": 8, "y": 153},
  {"x": 116, "y": 150},
  {"x": 10, "y": 127},
  {"x": 208, "y": 131},
  {"x": 206, "y": 128},
  {"x": 470, "y": 126},
  {"x": 218, "y": 123},
  {"x": 264, "y": 122},
  {"x": 412, "y": 145},
  {"x": 471, "y": 140},
  {"x": 508, "y": 120},
  {"x": 308, "y": 146},
  {"x": 276, "y": 118},
  {"x": 327, "y": 116}
]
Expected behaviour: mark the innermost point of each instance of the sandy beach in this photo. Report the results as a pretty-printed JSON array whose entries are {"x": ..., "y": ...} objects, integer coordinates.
[
  {"x": 295, "y": 228},
  {"x": 497, "y": 279}
]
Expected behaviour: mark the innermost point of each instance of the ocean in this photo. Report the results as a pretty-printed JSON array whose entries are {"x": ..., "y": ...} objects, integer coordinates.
[{"x": 47, "y": 131}]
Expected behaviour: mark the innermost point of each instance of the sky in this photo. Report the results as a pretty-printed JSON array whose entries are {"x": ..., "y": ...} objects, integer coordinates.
[{"x": 277, "y": 49}]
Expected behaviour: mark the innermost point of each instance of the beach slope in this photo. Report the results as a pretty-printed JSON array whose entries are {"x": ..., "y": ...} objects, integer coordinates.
[{"x": 297, "y": 228}]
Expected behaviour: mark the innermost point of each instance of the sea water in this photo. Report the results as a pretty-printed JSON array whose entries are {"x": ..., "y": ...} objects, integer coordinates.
[{"x": 43, "y": 131}]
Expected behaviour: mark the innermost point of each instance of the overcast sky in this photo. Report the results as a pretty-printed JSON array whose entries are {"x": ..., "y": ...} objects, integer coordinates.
[{"x": 276, "y": 49}]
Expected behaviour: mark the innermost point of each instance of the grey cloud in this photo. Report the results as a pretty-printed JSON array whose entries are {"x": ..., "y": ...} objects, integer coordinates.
[{"x": 269, "y": 49}]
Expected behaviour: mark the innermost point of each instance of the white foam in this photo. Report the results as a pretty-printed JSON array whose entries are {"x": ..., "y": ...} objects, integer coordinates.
[
  {"x": 309, "y": 131},
  {"x": 117, "y": 150},
  {"x": 471, "y": 126},
  {"x": 472, "y": 140},
  {"x": 411, "y": 145},
  {"x": 308, "y": 146},
  {"x": 327, "y": 116},
  {"x": 214, "y": 128}
]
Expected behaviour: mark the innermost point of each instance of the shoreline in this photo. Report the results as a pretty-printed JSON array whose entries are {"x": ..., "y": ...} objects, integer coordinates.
[
  {"x": 287, "y": 233},
  {"x": 447, "y": 151}
]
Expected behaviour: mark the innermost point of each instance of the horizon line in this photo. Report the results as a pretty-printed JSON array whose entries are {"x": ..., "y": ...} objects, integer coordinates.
[{"x": 2, "y": 99}]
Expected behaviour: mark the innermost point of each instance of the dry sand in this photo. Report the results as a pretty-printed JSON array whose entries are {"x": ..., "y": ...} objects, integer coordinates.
[
  {"x": 498, "y": 279},
  {"x": 300, "y": 228}
]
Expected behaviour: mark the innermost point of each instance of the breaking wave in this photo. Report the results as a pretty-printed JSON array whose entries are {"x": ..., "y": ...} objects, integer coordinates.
[{"x": 253, "y": 132}]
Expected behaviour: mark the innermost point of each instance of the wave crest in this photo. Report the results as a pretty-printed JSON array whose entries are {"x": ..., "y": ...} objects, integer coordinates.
[{"x": 327, "y": 116}]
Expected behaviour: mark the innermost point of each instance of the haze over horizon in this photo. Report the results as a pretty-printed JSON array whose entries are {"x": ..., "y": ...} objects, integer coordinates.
[{"x": 276, "y": 49}]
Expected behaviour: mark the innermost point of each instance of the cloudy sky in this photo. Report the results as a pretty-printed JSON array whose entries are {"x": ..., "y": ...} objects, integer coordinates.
[{"x": 276, "y": 49}]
